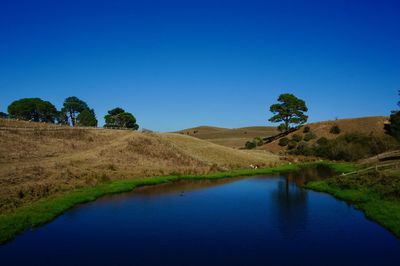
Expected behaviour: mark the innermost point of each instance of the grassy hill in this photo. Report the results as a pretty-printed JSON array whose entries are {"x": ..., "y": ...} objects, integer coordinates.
[
  {"x": 38, "y": 160},
  {"x": 367, "y": 125},
  {"x": 234, "y": 138}
]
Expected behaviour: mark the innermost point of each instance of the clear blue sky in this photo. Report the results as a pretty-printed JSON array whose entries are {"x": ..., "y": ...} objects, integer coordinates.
[{"x": 178, "y": 64}]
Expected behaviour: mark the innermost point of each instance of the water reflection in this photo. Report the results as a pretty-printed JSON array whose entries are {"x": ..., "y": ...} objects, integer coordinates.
[
  {"x": 245, "y": 221},
  {"x": 291, "y": 202},
  {"x": 181, "y": 187},
  {"x": 292, "y": 199}
]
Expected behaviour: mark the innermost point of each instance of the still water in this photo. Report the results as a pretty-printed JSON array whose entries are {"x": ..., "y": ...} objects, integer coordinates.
[{"x": 264, "y": 220}]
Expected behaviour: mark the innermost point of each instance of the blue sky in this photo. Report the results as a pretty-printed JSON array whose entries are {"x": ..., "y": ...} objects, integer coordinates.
[{"x": 178, "y": 64}]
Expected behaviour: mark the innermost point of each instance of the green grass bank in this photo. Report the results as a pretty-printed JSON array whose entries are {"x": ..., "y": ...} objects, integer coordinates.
[
  {"x": 46, "y": 209},
  {"x": 377, "y": 194}
]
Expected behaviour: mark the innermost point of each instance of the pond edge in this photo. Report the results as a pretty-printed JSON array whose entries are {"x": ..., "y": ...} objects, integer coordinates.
[{"x": 47, "y": 209}]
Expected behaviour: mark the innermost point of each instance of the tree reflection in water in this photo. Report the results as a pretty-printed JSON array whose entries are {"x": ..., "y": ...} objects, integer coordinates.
[{"x": 292, "y": 199}]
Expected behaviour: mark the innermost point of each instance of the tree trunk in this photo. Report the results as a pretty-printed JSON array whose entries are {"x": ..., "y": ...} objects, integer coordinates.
[
  {"x": 73, "y": 119},
  {"x": 286, "y": 124}
]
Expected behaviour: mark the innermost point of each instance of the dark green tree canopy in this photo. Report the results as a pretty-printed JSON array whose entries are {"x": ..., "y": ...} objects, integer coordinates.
[
  {"x": 72, "y": 107},
  {"x": 393, "y": 127},
  {"x": 290, "y": 110},
  {"x": 62, "y": 118},
  {"x": 33, "y": 109},
  {"x": 118, "y": 118},
  {"x": 116, "y": 111},
  {"x": 87, "y": 118},
  {"x": 3, "y": 115}
]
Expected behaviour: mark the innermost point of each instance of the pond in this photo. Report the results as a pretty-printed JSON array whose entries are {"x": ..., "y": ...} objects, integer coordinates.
[{"x": 262, "y": 220}]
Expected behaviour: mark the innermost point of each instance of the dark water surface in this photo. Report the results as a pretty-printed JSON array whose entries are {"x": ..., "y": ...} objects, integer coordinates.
[{"x": 250, "y": 221}]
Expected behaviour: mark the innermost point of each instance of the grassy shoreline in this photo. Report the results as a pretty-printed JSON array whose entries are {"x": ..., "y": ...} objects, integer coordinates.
[
  {"x": 375, "y": 206},
  {"x": 46, "y": 209}
]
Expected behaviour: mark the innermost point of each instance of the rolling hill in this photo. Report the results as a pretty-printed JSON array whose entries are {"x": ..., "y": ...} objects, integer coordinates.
[
  {"x": 38, "y": 160},
  {"x": 366, "y": 125},
  {"x": 234, "y": 138}
]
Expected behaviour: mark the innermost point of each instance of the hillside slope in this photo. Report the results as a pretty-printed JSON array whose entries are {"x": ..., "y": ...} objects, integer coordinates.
[
  {"x": 37, "y": 160},
  {"x": 234, "y": 138},
  {"x": 366, "y": 125}
]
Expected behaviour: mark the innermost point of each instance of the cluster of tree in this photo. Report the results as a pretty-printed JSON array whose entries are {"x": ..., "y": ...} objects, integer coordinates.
[{"x": 74, "y": 112}]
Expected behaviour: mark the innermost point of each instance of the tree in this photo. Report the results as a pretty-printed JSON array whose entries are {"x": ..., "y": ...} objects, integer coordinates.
[
  {"x": 62, "y": 118},
  {"x": 73, "y": 107},
  {"x": 118, "y": 118},
  {"x": 3, "y": 115},
  {"x": 33, "y": 109},
  {"x": 290, "y": 110},
  {"x": 393, "y": 127},
  {"x": 87, "y": 118}
]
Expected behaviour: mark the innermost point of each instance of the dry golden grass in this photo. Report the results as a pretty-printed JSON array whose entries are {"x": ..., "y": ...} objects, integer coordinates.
[
  {"x": 234, "y": 138},
  {"x": 217, "y": 154},
  {"x": 366, "y": 125},
  {"x": 36, "y": 161}
]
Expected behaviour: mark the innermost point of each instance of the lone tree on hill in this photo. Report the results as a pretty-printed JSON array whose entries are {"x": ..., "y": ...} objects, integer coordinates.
[
  {"x": 118, "y": 118},
  {"x": 33, "y": 109},
  {"x": 290, "y": 110},
  {"x": 72, "y": 108},
  {"x": 393, "y": 127}
]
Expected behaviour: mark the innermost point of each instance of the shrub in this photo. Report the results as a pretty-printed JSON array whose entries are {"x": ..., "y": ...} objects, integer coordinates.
[
  {"x": 297, "y": 137},
  {"x": 292, "y": 144},
  {"x": 302, "y": 149},
  {"x": 309, "y": 136},
  {"x": 258, "y": 141},
  {"x": 335, "y": 130},
  {"x": 349, "y": 147},
  {"x": 322, "y": 141},
  {"x": 306, "y": 129},
  {"x": 352, "y": 147},
  {"x": 283, "y": 142},
  {"x": 250, "y": 145}
]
